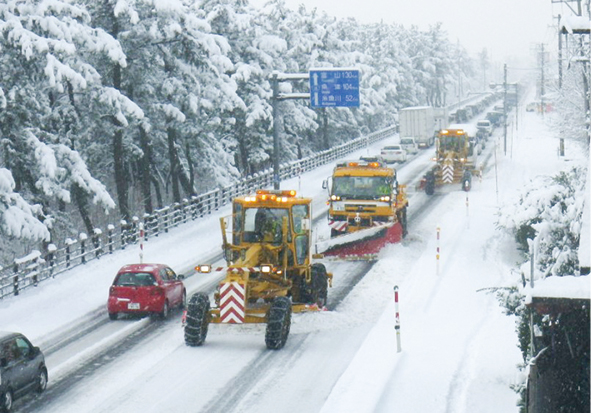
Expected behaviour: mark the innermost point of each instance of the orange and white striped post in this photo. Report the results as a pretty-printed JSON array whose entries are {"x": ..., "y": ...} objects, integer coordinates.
[
  {"x": 142, "y": 236},
  {"x": 438, "y": 251},
  {"x": 397, "y": 325}
]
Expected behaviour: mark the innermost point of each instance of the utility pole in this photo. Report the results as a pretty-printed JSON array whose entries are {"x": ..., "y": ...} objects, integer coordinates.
[
  {"x": 542, "y": 79},
  {"x": 505, "y": 108},
  {"x": 559, "y": 54}
]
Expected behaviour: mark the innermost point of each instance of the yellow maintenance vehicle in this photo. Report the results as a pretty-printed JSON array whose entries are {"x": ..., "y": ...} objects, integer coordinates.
[
  {"x": 367, "y": 209},
  {"x": 455, "y": 156},
  {"x": 269, "y": 272}
]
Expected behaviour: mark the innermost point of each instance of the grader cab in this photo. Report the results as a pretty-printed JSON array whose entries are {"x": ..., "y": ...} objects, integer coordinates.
[
  {"x": 456, "y": 158},
  {"x": 269, "y": 272}
]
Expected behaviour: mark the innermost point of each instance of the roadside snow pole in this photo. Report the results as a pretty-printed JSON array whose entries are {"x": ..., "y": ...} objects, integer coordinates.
[
  {"x": 141, "y": 242},
  {"x": 397, "y": 326},
  {"x": 437, "y": 255}
]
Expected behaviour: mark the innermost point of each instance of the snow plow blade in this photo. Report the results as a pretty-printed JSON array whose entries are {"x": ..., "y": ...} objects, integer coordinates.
[{"x": 364, "y": 244}]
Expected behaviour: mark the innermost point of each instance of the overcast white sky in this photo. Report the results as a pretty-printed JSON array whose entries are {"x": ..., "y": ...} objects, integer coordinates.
[{"x": 504, "y": 27}]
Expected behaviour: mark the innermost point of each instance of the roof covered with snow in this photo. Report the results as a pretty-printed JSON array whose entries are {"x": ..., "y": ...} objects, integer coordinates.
[
  {"x": 561, "y": 287},
  {"x": 575, "y": 24}
]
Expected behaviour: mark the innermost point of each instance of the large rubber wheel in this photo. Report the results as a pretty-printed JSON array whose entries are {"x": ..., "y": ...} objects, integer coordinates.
[
  {"x": 6, "y": 400},
  {"x": 278, "y": 323},
  {"x": 430, "y": 184},
  {"x": 197, "y": 321},
  {"x": 467, "y": 181},
  {"x": 113, "y": 316},
  {"x": 403, "y": 221},
  {"x": 41, "y": 380},
  {"x": 319, "y": 285}
]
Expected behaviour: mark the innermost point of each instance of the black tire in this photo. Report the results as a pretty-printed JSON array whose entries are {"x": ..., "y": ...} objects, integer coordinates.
[
  {"x": 467, "y": 181},
  {"x": 278, "y": 323},
  {"x": 430, "y": 187},
  {"x": 319, "y": 285},
  {"x": 6, "y": 400},
  {"x": 430, "y": 183},
  {"x": 113, "y": 316},
  {"x": 41, "y": 380},
  {"x": 335, "y": 233},
  {"x": 165, "y": 310},
  {"x": 197, "y": 322},
  {"x": 403, "y": 221}
]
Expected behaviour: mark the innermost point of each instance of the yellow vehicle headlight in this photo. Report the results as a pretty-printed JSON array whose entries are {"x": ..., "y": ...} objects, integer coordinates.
[{"x": 203, "y": 268}]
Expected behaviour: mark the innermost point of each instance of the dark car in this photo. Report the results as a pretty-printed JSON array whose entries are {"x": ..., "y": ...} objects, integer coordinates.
[
  {"x": 146, "y": 289},
  {"x": 22, "y": 369}
]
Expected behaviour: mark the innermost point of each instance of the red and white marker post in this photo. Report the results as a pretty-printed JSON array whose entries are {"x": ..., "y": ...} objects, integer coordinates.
[
  {"x": 142, "y": 236},
  {"x": 397, "y": 325},
  {"x": 437, "y": 255}
]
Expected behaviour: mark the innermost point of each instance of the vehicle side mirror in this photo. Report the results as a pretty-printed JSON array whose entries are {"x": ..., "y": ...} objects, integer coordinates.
[
  {"x": 306, "y": 224},
  {"x": 34, "y": 352},
  {"x": 181, "y": 276},
  {"x": 325, "y": 184}
]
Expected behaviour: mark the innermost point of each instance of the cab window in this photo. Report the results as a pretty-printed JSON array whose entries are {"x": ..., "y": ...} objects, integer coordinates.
[
  {"x": 300, "y": 213},
  {"x": 236, "y": 223},
  {"x": 302, "y": 245}
]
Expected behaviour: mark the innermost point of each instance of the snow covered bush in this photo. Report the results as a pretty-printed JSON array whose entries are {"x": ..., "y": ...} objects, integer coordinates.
[{"x": 548, "y": 215}]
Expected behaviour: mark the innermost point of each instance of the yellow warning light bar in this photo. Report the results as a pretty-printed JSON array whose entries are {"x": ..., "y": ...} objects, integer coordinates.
[
  {"x": 271, "y": 195},
  {"x": 374, "y": 164},
  {"x": 444, "y": 132},
  {"x": 353, "y": 163}
]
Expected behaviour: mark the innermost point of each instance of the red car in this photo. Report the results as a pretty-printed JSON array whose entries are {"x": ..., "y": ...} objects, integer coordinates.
[{"x": 146, "y": 289}]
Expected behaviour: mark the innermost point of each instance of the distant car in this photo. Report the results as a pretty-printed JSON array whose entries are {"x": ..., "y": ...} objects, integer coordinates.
[
  {"x": 485, "y": 125},
  {"x": 22, "y": 369},
  {"x": 146, "y": 289},
  {"x": 393, "y": 153},
  {"x": 409, "y": 145}
]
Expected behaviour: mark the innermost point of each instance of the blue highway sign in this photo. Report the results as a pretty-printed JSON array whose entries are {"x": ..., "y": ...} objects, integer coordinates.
[{"x": 334, "y": 87}]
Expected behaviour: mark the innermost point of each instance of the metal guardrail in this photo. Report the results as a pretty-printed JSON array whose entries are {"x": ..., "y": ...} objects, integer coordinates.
[{"x": 35, "y": 267}]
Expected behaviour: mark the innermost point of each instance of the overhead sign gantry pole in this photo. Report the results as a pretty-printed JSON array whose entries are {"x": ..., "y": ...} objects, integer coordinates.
[{"x": 329, "y": 87}]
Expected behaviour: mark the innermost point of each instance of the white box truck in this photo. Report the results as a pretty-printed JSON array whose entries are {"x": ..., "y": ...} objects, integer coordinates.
[{"x": 420, "y": 123}]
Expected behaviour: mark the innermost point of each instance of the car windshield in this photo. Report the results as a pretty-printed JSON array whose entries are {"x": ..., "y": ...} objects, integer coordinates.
[
  {"x": 135, "y": 279},
  {"x": 406, "y": 141},
  {"x": 361, "y": 187},
  {"x": 392, "y": 148}
]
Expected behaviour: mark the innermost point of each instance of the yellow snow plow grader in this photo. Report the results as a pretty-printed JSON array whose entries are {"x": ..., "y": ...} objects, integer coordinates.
[
  {"x": 367, "y": 209},
  {"x": 269, "y": 272},
  {"x": 455, "y": 157}
]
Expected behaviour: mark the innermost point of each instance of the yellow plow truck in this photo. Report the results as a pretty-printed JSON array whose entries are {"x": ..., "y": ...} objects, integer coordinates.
[
  {"x": 367, "y": 209},
  {"x": 269, "y": 272}
]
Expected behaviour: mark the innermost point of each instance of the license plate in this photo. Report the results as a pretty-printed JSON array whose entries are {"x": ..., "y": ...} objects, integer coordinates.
[{"x": 133, "y": 306}]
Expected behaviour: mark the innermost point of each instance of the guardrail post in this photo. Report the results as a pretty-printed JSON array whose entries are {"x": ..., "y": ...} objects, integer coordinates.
[
  {"x": 147, "y": 224},
  {"x": 15, "y": 279},
  {"x": 110, "y": 229},
  {"x": 69, "y": 243},
  {"x": 134, "y": 231},
  {"x": 123, "y": 224},
  {"x": 96, "y": 241},
  {"x": 83, "y": 238},
  {"x": 51, "y": 248}
]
